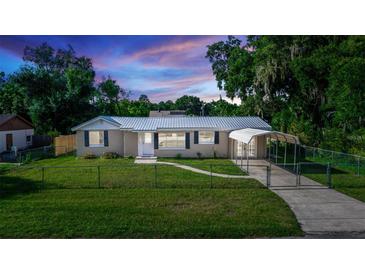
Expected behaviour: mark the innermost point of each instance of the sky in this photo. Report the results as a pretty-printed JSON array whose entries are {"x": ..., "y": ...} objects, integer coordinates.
[{"x": 161, "y": 67}]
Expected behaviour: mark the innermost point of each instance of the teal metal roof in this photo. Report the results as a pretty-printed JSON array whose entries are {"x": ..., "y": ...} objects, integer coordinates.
[{"x": 188, "y": 122}]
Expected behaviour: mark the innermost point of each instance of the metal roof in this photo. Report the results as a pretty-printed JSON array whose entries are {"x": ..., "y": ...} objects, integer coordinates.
[
  {"x": 182, "y": 123},
  {"x": 245, "y": 135}
]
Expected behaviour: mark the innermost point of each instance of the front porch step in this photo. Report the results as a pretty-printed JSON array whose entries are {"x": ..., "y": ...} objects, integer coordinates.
[
  {"x": 145, "y": 160},
  {"x": 146, "y": 157}
]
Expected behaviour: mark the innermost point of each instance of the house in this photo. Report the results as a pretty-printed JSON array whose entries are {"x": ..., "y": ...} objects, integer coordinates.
[
  {"x": 164, "y": 113},
  {"x": 188, "y": 136},
  {"x": 15, "y": 132}
]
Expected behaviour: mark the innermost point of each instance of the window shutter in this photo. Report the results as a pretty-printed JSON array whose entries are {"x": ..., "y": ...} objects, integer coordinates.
[
  {"x": 196, "y": 137},
  {"x": 187, "y": 140},
  {"x": 155, "y": 140},
  {"x": 216, "y": 137},
  {"x": 86, "y": 138},
  {"x": 106, "y": 138}
]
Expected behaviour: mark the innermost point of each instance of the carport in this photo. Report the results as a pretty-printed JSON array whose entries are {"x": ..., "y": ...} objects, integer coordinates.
[{"x": 244, "y": 137}]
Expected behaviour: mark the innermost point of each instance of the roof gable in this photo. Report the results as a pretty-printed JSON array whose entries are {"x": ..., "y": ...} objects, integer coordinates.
[
  {"x": 98, "y": 123},
  {"x": 13, "y": 122}
]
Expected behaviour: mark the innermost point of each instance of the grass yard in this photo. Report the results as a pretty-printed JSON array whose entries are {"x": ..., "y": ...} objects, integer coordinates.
[
  {"x": 224, "y": 166},
  {"x": 181, "y": 205},
  {"x": 147, "y": 213}
]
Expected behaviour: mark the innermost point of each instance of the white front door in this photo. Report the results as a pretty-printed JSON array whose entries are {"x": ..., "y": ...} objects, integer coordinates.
[{"x": 145, "y": 144}]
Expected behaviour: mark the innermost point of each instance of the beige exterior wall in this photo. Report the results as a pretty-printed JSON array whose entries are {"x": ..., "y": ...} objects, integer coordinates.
[
  {"x": 261, "y": 147},
  {"x": 115, "y": 144},
  {"x": 125, "y": 143},
  {"x": 131, "y": 143},
  {"x": 207, "y": 150}
]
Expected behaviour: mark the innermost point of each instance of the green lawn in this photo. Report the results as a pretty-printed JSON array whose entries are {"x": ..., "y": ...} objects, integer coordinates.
[
  {"x": 130, "y": 205},
  {"x": 147, "y": 213},
  {"x": 224, "y": 166}
]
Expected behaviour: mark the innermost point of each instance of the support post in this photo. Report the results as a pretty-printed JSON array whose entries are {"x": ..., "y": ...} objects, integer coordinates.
[
  {"x": 211, "y": 176},
  {"x": 269, "y": 148},
  {"x": 285, "y": 154},
  {"x": 295, "y": 154},
  {"x": 268, "y": 176},
  {"x": 276, "y": 152},
  {"x": 241, "y": 153},
  {"x": 358, "y": 166},
  {"x": 98, "y": 176},
  {"x": 43, "y": 182},
  {"x": 329, "y": 177},
  {"x": 247, "y": 157}
]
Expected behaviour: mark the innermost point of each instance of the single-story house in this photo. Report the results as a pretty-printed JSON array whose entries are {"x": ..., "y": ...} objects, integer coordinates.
[
  {"x": 189, "y": 136},
  {"x": 15, "y": 132}
]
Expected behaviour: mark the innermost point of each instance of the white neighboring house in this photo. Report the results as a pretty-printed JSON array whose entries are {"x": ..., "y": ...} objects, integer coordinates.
[{"x": 15, "y": 132}]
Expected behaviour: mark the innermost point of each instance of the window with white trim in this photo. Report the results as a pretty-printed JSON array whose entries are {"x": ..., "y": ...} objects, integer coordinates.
[
  {"x": 96, "y": 138},
  {"x": 171, "y": 140},
  {"x": 206, "y": 137}
]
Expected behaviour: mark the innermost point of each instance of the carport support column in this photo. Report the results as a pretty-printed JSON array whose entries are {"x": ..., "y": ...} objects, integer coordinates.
[
  {"x": 269, "y": 148},
  {"x": 276, "y": 156},
  {"x": 247, "y": 157},
  {"x": 241, "y": 153},
  {"x": 285, "y": 154},
  {"x": 295, "y": 154}
]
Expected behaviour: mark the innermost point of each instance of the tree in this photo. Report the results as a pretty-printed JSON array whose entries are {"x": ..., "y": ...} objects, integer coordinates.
[
  {"x": 54, "y": 88},
  {"x": 307, "y": 85},
  {"x": 191, "y": 104},
  {"x": 109, "y": 95}
]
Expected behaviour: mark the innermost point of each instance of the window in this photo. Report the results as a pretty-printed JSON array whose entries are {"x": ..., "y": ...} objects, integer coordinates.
[
  {"x": 28, "y": 138},
  {"x": 206, "y": 137},
  {"x": 96, "y": 138},
  {"x": 171, "y": 139}
]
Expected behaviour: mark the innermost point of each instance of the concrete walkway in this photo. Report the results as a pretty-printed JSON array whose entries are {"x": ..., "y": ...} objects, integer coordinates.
[
  {"x": 321, "y": 212},
  {"x": 193, "y": 169}
]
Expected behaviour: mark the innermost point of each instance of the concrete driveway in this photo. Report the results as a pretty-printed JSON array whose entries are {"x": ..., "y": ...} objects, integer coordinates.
[{"x": 321, "y": 212}]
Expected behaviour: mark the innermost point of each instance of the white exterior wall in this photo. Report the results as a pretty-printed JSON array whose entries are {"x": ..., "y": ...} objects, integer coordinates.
[{"x": 19, "y": 138}]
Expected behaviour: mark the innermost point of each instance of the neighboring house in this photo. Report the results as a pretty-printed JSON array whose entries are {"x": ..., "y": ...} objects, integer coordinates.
[
  {"x": 164, "y": 113},
  {"x": 169, "y": 136},
  {"x": 15, "y": 131}
]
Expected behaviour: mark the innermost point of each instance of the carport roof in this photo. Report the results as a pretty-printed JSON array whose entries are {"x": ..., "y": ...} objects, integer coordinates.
[{"x": 245, "y": 135}]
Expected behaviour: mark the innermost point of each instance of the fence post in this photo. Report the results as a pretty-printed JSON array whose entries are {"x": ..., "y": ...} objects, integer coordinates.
[
  {"x": 155, "y": 175},
  {"x": 98, "y": 176},
  {"x": 268, "y": 176},
  {"x": 211, "y": 176},
  {"x": 358, "y": 166},
  {"x": 329, "y": 178},
  {"x": 43, "y": 182}
]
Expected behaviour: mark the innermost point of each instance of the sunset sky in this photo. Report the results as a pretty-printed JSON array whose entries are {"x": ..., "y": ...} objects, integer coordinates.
[{"x": 162, "y": 67}]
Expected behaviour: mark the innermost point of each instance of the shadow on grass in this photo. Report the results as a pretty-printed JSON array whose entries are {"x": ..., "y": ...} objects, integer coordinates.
[{"x": 11, "y": 185}]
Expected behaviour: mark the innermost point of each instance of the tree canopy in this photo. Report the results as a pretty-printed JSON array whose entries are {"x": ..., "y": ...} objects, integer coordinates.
[{"x": 310, "y": 86}]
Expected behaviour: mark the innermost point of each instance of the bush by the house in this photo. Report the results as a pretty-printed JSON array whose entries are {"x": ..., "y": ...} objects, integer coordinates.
[
  {"x": 110, "y": 155},
  {"x": 90, "y": 156}
]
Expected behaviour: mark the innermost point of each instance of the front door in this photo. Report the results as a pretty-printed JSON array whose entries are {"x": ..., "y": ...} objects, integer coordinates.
[
  {"x": 9, "y": 141},
  {"x": 145, "y": 146}
]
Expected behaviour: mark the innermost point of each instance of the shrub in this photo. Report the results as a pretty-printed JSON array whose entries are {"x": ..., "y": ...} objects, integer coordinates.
[
  {"x": 199, "y": 154},
  {"x": 27, "y": 159},
  {"x": 130, "y": 157},
  {"x": 178, "y": 156},
  {"x": 110, "y": 155},
  {"x": 89, "y": 156}
]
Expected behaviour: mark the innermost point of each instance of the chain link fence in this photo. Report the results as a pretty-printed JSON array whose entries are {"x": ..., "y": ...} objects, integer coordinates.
[{"x": 123, "y": 176}]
